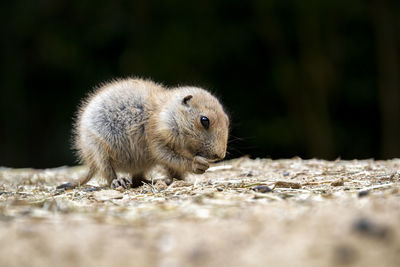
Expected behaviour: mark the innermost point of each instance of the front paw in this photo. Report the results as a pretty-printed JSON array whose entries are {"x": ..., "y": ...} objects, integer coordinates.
[{"x": 200, "y": 165}]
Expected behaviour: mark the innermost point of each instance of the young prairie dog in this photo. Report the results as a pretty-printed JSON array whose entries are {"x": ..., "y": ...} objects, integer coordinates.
[{"x": 131, "y": 125}]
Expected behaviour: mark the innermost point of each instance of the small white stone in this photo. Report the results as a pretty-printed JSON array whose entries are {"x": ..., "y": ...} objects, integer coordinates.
[{"x": 104, "y": 195}]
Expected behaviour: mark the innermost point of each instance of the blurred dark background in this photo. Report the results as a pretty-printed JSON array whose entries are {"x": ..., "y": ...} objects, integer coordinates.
[{"x": 299, "y": 78}]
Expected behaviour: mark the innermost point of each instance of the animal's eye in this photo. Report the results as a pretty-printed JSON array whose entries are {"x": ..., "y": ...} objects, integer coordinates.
[{"x": 205, "y": 122}]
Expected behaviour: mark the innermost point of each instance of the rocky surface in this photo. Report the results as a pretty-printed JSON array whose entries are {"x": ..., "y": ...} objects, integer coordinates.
[{"x": 241, "y": 212}]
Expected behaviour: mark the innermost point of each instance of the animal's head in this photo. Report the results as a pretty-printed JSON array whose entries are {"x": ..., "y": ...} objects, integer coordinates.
[{"x": 200, "y": 123}]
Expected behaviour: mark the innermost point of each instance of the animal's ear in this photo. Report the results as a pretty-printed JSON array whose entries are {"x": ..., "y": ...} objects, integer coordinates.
[{"x": 186, "y": 99}]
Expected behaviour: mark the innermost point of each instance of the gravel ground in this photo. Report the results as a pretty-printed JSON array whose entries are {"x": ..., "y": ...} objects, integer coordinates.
[{"x": 241, "y": 212}]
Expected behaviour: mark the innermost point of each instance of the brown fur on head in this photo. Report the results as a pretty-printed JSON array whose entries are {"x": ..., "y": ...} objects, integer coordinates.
[{"x": 182, "y": 116}]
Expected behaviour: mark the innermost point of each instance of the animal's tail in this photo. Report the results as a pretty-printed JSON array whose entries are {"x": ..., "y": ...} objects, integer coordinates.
[{"x": 79, "y": 182}]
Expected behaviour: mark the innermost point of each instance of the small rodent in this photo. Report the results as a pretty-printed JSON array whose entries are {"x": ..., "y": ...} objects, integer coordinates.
[{"x": 132, "y": 125}]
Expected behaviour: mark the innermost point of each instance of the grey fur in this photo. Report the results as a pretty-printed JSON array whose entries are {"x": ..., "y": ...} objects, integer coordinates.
[{"x": 131, "y": 125}]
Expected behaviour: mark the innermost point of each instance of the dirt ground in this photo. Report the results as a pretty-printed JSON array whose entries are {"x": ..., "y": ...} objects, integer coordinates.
[{"x": 239, "y": 213}]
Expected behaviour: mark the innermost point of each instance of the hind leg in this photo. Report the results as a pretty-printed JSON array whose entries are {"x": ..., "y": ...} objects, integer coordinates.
[
  {"x": 107, "y": 171},
  {"x": 81, "y": 181}
]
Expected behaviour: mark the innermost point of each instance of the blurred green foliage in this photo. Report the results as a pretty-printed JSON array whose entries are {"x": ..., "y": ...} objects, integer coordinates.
[{"x": 308, "y": 78}]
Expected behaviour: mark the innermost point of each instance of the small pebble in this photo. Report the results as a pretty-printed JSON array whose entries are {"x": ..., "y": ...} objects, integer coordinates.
[
  {"x": 219, "y": 189},
  {"x": 91, "y": 189},
  {"x": 247, "y": 174},
  {"x": 58, "y": 192},
  {"x": 338, "y": 183},
  {"x": 120, "y": 189},
  {"x": 363, "y": 193},
  {"x": 286, "y": 174},
  {"x": 283, "y": 184},
  {"x": 262, "y": 189},
  {"x": 160, "y": 185},
  {"x": 105, "y": 195},
  {"x": 368, "y": 228}
]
